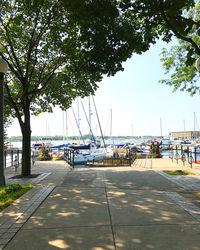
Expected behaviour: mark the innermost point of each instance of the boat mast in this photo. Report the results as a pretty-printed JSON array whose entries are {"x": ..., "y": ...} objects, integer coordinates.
[
  {"x": 99, "y": 123},
  {"x": 89, "y": 119},
  {"x": 80, "y": 134},
  {"x": 66, "y": 126},
  {"x": 78, "y": 118},
  {"x": 92, "y": 136},
  {"x": 111, "y": 125},
  {"x": 160, "y": 126},
  {"x": 63, "y": 126}
]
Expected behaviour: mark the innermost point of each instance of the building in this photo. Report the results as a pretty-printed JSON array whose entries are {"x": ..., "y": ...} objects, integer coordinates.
[{"x": 190, "y": 135}]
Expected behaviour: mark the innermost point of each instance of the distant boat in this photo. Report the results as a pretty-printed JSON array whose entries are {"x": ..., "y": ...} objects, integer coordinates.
[{"x": 83, "y": 158}]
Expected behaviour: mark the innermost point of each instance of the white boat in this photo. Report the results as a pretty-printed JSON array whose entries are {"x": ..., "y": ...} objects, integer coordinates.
[
  {"x": 83, "y": 158},
  {"x": 94, "y": 153}
]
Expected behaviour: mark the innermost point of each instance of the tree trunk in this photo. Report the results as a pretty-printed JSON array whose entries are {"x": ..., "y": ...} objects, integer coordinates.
[{"x": 26, "y": 142}]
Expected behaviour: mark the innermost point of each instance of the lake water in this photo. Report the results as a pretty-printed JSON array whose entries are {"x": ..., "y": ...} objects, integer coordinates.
[{"x": 165, "y": 154}]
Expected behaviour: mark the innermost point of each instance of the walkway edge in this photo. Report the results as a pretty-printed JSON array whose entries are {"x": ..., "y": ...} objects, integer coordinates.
[{"x": 27, "y": 208}]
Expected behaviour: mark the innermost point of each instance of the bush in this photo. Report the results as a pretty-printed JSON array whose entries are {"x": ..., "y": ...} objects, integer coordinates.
[
  {"x": 58, "y": 157},
  {"x": 155, "y": 150},
  {"x": 44, "y": 155}
]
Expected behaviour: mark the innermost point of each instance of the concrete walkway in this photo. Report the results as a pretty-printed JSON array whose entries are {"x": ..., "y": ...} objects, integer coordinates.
[{"x": 107, "y": 208}]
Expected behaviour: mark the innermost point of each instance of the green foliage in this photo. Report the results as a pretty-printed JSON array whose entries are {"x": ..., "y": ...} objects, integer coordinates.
[
  {"x": 58, "y": 50},
  {"x": 11, "y": 192},
  {"x": 12, "y": 188},
  {"x": 155, "y": 150},
  {"x": 44, "y": 155},
  {"x": 178, "y": 172},
  {"x": 167, "y": 19},
  {"x": 181, "y": 63},
  {"x": 58, "y": 157},
  {"x": 180, "y": 59}
]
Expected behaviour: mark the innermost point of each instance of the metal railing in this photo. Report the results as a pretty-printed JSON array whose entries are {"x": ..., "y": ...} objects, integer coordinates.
[
  {"x": 183, "y": 153},
  {"x": 69, "y": 156},
  {"x": 12, "y": 157}
]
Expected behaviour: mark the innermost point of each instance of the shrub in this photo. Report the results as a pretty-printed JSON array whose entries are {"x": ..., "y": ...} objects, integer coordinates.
[
  {"x": 58, "y": 157},
  {"x": 155, "y": 150},
  {"x": 44, "y": 155}
]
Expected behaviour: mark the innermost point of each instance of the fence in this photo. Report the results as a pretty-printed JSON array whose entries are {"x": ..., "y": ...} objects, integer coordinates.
[
  {"x": 183, "y": 153},
  {"x": 69, "y": 155},
  {"x": 12, "y": 157}
]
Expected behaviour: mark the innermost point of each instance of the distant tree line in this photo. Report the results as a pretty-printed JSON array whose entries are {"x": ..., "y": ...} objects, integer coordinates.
[{"x": 60, "y": 137}]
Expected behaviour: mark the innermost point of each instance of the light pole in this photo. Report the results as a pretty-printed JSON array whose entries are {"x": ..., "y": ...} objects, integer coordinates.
[{"x": 3, "y": 71}]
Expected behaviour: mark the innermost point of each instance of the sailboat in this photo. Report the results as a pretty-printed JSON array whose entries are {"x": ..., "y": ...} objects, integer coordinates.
[{"x": 91, "y": 151}]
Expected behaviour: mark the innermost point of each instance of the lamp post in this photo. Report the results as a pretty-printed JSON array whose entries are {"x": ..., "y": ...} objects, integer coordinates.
[{"x": 3, "y": 71}]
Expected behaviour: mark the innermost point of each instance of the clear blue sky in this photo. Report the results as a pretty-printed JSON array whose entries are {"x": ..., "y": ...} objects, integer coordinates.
[{"x": 137, "y": 100}]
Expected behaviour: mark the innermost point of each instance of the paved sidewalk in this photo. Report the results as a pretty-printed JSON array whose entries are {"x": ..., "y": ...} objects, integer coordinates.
[{"x": 107, "y": 208}]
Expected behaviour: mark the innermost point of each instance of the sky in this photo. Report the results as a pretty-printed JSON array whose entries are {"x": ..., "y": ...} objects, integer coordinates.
[{"x": 139, "y": 104}]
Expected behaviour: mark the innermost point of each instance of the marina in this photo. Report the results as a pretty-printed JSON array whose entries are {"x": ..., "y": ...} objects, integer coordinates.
[{"x": 121, "y": 153}]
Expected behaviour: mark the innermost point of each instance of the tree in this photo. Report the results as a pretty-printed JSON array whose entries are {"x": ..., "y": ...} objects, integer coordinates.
[
  {"x": 180, "y": 59},
  {"x": 167, "y": 19},
  {"x": 57, "y": 50}
]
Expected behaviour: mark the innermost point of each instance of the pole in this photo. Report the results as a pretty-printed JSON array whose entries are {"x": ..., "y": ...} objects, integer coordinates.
[
  {"x": 2, "y": 177},
  {"x": 90, "y": 127},
  {"x": 63, "y": 126},
  {"x": 161, "y": 127},
  {"x": 132, "y": 129},
  {"x": 78, "y": 118},
  {"x": 66, "y": 126}
]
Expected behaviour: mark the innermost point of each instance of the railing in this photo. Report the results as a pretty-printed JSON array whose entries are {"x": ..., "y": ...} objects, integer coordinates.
[
  {"x": 127, "y": 160},
  {"x": 12, "y": 157},
  {"x": 183, "y": 153},
  {"x": 69, "y": 156}
]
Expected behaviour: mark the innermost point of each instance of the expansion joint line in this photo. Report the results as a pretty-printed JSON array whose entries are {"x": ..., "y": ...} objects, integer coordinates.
[{"x": 111, "y": 224}]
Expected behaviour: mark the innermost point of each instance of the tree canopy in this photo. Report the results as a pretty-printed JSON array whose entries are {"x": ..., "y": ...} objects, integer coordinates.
[
  {"x": 57, "y": 50},
  {"x": 180, "y": 59}
]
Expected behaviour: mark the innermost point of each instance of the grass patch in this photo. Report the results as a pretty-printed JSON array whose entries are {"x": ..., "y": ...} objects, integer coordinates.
[
  {"x": 178, "y": 172},
  {"x": 11, "y": 192}
]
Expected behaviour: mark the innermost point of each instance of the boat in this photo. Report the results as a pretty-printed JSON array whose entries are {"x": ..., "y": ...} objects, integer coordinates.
[
  {"x": 88, "y": 152},
  {"x": 83, "y": 158}
]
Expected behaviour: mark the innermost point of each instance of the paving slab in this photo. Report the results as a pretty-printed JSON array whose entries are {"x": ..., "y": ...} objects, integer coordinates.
[
  {"x": 188, "y": 182},
  {"x": 77, "y": 238},
  {"x": 107, "y": 208},
  {"x": 157, "y": 237},
  {"x": 87, "y": 178},
  {"x": 145, "y": 180},
  {"x": 71, "y": 207},
  {"x": 138, "y": 207}
]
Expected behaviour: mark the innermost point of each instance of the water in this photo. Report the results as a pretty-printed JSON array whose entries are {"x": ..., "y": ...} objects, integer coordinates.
[{"x": 55, "y": 143}]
